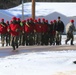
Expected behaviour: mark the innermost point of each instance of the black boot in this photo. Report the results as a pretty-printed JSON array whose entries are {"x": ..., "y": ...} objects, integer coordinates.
[
  {"x": 57, "y": 42},
  {"x": 13, "y": 48},
  {"x": 72, "y": 43},
  {"x": 66, "y": 42}
]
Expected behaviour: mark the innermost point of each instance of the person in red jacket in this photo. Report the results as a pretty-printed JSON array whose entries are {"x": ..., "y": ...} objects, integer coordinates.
[
  {"x": 14, "y": 29},
  {"x": 27, "y": 31},
  {"x": 54, "y": 31},
  {"x": 23, "y": 38},
  {"x": 44, "y": 30},
  {"x": 3, "y": 31},
  {"x": 35, "y": 32},
  {"x": 38, "y": 28},
  {"x": 32, "y": 25},
  {"x": 20, "y": 37}
]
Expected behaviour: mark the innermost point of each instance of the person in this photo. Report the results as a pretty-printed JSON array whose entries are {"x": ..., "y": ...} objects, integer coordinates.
[
  {"x": 27, "y": 32},
  {"x": 54, "y": 31},
  {"x": 59, "y": 31},
  {"x": 20, "y": 37},
  {"x": 51, "y": 32},
  {"x": 23, "y": 33},
  {"x": 8, "y": 36},
  {"x": 46, "y": 32},
  {"x": 3, "y": 31},
  {"x": 43, "y": 31},
  {"x": 31, "y": 36},
  {"x": 14, "y": 29},
  {"x": 35, "y": 32},
  {"x": 69, "y": 31},
  {"x": 38, "y": 28}
]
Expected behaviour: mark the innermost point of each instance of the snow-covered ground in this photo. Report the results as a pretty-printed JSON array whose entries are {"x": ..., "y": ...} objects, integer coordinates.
[
  {"x": 45, "y": 8},
  {"x": 40, "y": 63},
  {"x": 48, "y": 10}
]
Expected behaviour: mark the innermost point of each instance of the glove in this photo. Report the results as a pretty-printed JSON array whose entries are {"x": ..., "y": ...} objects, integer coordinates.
[
  {"x": 8, "y": 30},
  {"x": 16, "y": 30}
]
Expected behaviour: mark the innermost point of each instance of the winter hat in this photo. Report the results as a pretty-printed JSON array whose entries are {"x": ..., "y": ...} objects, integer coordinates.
[
  {"x": 7, "y": 22},
  {"x": 35, "y": 20},
  {"x": 24, "y": 20},
  {"x": 27, "y": 19},
  {"x": 31, "y": 19},
  {"x": 18, "y": 19},
  {"x": 72, "y": 21},
  {"x": 54, "y": 21},
  {"x": 51, "y": 21},
  {"x": 14, "y": 18},
  {"x": 43, "y": 19},
  {"x": 11, "y": 21},
  {"x": 39, "y": 19},
  {"x": 46, "y": 21},
  {"x": 2, "y": 19}
]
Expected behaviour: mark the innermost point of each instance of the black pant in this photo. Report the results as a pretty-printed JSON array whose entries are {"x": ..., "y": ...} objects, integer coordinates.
[
  {"x": 70, "y": 37},
  {"x": 14, "y": 41}
]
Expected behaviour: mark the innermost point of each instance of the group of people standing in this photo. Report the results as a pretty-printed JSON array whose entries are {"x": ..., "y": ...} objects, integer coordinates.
[{"x": 33, "y": 32}]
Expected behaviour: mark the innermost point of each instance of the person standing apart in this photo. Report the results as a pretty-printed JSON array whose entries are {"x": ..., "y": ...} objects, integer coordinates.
[
  {"x": 70, "y": 28},
  {"x": 59, "y": 31}
]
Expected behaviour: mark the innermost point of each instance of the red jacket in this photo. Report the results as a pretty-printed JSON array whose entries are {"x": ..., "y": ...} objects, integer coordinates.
[
  {"x": 26, "y": 28},
  {"x": 32, "y": 27},
  {"x": 14, "y": 29},
  {"x": 38, "y": 28},
  {"x": 29, "y": 27},
  {"x": 44, "y": 28},
  {"x": 3, "y": 29}
]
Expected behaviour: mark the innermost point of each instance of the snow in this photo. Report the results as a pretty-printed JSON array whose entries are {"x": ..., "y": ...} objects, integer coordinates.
[
  {"x": 45, "y": 8},
  {"x": 6, "y": 15},
  {"x": 40, "y": 63}
]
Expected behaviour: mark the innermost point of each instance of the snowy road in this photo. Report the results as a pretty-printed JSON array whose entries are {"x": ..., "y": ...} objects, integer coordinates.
[
  {"x": 7, "y": 51},
  {"x": 39, "y": 63},
  {"x": 39, "y": 60}
]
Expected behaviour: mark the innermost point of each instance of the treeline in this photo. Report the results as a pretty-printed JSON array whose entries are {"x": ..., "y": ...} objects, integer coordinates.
[
  {"x": 52, "y": 0},
  {"x": 5, "y": 4}
]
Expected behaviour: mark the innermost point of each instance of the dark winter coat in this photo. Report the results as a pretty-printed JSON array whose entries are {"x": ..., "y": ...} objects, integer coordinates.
[{"x": 60, "y": 26}]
